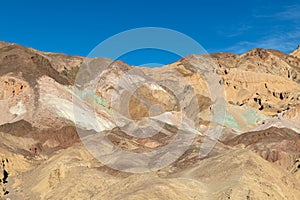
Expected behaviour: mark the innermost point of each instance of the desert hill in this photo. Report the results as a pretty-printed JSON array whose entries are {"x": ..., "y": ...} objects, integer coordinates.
[{"x": 255, "y": 154}]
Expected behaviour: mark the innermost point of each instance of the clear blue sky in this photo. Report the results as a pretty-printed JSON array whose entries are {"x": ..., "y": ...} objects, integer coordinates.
[{"x": 76, "y": 27}]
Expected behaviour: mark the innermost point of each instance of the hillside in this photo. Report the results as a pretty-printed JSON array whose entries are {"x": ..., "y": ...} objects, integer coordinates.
[{"x": 219, "y": 126}]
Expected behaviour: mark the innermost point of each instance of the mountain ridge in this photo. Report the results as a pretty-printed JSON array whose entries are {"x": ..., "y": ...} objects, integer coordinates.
[{"x": 45, "y": 119}]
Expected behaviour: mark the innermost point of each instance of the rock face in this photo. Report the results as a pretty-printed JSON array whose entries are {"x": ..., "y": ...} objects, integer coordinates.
[
  {"x": 43, "y": 155},
  {"x": 280, "y": 146},
  {"x": 259, "y": 78},
  {"x": 293, "y": 114}
]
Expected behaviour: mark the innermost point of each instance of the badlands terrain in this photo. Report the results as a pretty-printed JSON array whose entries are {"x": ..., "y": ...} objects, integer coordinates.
[{"x": 219, "y": 126}]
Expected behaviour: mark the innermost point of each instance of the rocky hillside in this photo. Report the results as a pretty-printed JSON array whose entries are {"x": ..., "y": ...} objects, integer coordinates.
[{"x": 53, "y": 107}]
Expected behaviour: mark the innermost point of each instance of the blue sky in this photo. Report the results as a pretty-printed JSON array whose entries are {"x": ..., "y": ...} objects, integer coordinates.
[{"x": 76, "y": 27}]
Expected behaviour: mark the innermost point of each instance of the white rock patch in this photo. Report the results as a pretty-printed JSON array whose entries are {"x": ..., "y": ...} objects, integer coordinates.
[
  {"x": 83, "y": 117},
  {"x": 156, "y": 87},
  {"x": 18, "y": 109}
]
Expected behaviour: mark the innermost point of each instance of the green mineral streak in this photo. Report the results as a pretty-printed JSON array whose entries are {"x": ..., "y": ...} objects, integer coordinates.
[
  {"x": 101, "y": 101},
  {"x": 89, "y": 94},
  {"x": 253, "y": 117},
  {"x": 230, "y": 121},
  {"x": 249, "y": 116}
]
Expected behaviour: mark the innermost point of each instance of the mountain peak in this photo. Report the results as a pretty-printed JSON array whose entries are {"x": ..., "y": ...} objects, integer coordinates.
[
  {"x": 3, "y": 44},
  {"x": 296, "y": 52}
]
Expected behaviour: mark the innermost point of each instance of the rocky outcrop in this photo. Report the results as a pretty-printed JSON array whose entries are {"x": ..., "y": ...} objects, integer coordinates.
[
  {"x": 259, "y": 78},
  {"x": 277, "y": 145},
  {"x": 4, "y": 177}
]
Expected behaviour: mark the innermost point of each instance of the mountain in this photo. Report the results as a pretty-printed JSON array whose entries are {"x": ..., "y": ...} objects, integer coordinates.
[{"x": 218, "y": 126}]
